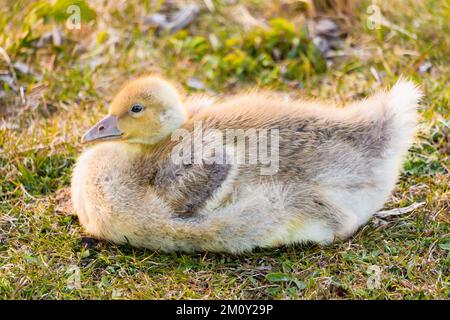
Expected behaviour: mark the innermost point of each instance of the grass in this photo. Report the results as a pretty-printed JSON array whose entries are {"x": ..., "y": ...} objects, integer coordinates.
[{"x": 67, "y": 87}]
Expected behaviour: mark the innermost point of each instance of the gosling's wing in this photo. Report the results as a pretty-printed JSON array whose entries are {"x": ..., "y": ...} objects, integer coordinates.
[{"x": 188, "y": 188}]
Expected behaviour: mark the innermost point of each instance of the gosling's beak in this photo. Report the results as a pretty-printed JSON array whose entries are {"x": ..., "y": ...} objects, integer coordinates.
[{"x": 105, "y": 129}]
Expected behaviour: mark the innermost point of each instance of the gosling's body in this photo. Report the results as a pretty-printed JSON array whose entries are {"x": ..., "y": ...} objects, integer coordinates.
[{"x": 336, "y": 168}]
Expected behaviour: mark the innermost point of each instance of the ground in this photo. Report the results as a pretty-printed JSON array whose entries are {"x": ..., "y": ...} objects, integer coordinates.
[{"x": 57, "y": 79}]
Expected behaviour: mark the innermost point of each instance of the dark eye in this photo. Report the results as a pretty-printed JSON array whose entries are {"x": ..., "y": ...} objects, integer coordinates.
[{"x": 136, "y": 108}]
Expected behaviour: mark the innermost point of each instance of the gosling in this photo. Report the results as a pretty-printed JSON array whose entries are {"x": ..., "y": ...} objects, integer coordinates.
[{"x": 334, "y": 168}]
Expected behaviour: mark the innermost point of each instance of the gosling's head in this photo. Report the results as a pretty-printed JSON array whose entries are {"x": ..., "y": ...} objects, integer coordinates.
[{"x": 145, "y": 111}]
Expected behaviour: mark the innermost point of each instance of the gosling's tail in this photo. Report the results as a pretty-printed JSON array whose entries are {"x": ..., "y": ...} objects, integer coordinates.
[
  {"x": 392, "y": 113},
  {"x": 400, "y": 113}
]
